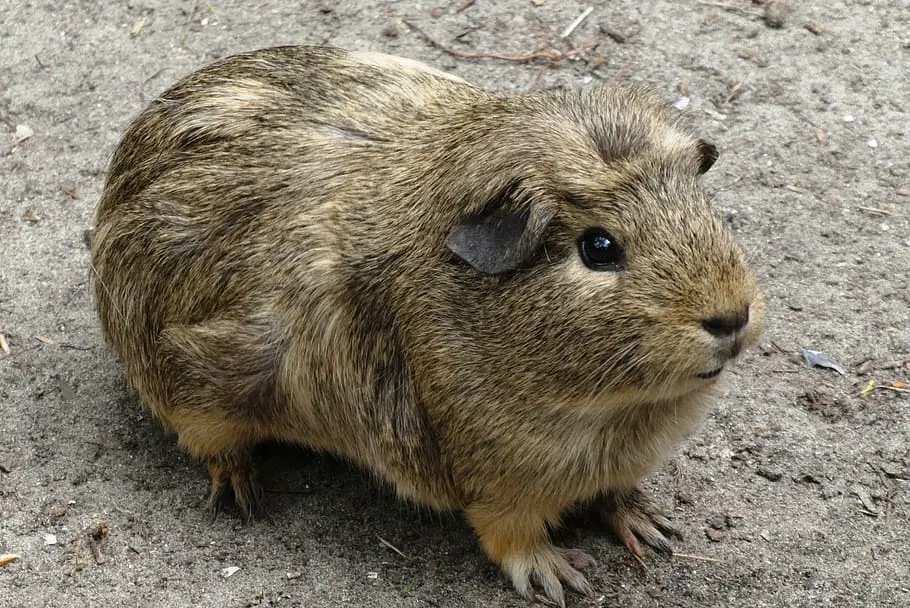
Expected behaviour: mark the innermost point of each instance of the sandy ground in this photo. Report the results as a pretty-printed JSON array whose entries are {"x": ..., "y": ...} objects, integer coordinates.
[{"x": 798, "y": 487}]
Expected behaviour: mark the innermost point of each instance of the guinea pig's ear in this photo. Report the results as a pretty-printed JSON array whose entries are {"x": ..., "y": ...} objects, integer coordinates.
[
  {"x": 707, "y": 154},
  {"x": 499, "y": 240}
]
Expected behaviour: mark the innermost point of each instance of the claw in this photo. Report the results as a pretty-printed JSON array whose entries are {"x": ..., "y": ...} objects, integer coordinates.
[
  {"x": 634, "y": 518},
  {"x": 541, "y": 574}
]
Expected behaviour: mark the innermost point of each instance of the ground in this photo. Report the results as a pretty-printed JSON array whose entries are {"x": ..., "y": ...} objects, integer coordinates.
[{"x": 795, "y": 493}]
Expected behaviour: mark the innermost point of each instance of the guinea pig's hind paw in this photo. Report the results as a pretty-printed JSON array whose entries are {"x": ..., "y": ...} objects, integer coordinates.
[
  {"x": 635, "y": 518},
  {"x": 547, "y": 569},
  {"x": 234, "y": 480}
]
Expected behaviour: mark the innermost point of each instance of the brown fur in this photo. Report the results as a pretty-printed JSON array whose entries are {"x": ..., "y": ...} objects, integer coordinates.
[{"x": 271, "y": 265}]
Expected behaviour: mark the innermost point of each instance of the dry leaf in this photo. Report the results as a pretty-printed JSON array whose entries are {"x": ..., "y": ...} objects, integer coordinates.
[
  {"x": 28, "y": 216},
  {"x": 3, "y": 345},
  {"x": 816, "y": 358},
  {"x": 23, "y": 132},
  {"x": 137, "y": 27},
  {"x": 822, "y": 138},
  {"x": 8, "y": 558}
]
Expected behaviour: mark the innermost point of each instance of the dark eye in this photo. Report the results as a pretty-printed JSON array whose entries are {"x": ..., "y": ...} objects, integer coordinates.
[{"x": 600, "y": 251}]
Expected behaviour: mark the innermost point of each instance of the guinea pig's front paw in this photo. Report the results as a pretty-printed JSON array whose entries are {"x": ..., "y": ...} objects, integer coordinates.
[
  {"x": 548, "y": 568},
  {"x": 519, "y": 542},
  {"x": 634, "y": 517}
]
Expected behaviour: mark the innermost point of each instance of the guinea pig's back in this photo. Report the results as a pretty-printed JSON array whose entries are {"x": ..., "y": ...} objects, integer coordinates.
[{"x": 233, "y": 177}]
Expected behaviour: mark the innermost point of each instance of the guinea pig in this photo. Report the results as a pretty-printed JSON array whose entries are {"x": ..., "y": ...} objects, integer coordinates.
[{"x": 509, "y": 306}]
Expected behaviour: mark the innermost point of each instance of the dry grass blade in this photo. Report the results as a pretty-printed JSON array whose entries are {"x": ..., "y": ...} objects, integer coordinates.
[
  {"x": 572, "y": 26},
  {"x": 393, "y": 548},
  {"x": 700, "y": 558},
  {"x": 547, "y": 55}
]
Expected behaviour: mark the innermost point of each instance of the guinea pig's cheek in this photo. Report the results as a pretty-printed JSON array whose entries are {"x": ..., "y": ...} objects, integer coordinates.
[{"x": 758, "y": 319}]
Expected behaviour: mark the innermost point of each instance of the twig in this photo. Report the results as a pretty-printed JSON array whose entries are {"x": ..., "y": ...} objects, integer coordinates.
[
  {"x": 734, "y": 92},
  {"x": 698, "y": 557},
  {"x": 874, "y": 210},
  {"x": 517, "y": 58},
  {"x": 885, "y": 387},
  {"x": 730, "y": 7},
  {"x": 393, "y": 547},
  {"x": 68, "y": 346},
  {"x": 464, "y": 4},
  {"x": 568, "y": 31}
]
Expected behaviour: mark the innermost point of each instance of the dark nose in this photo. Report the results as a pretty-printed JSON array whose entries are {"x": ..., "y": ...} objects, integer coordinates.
[{"x": 723, "y": 326}]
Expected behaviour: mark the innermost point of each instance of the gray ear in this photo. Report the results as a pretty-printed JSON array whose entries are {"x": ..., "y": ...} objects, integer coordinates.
[
  {"x": 500, "y": 240},
  {"x": 707, "y": 153}
]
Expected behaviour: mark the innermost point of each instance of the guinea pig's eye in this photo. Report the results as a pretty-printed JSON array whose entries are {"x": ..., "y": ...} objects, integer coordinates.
[{"x": 600, "y": 251}]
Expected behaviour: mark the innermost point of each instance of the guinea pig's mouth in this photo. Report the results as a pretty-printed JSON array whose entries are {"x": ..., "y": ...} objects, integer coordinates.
[{"x": 712, "y": 374}]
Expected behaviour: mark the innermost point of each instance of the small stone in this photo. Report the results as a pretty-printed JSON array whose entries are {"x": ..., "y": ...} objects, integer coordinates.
[
  {"x": 872, "y": 143},
  {"x": 864, "y": 368},
  {"x": 775, "y": 13},
  {"x": 614, "y": 35},
  {"x": 681, "y": 104},
  {"x": 717, "y": 522},
  {"x": 372, "y": 576},
  {"x": 390, "y": 30},
  {"x": 849, "y": 118},
  {"x": 50, "y": 539},
  {"x": 715, "y": 535},
  {"x": 769, "y": 474}
]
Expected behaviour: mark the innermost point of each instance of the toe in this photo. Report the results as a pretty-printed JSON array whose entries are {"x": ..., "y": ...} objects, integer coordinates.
[
  {"x": 550, "y": 586},
  {"x": 247, "y": 494},
  {"x": 577, "y": 558}
]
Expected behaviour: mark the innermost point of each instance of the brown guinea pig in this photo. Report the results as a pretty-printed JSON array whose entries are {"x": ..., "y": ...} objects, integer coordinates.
[{"x": 509, "y": 306}]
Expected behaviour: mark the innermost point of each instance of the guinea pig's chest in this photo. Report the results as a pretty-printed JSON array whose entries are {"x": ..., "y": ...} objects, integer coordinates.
[{"x": 602, "y": 448}]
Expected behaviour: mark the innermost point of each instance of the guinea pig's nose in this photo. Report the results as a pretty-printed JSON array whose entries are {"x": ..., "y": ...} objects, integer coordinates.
[{"x": 724, "y": 326}]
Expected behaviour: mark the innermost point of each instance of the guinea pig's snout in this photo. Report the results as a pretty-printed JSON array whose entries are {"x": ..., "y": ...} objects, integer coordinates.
[
  {"x": 728, "y": 331},
  {"x": 726, "y": 325}
]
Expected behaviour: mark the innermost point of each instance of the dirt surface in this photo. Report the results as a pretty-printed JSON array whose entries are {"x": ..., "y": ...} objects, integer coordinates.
[{"x": 797, "y": 488}]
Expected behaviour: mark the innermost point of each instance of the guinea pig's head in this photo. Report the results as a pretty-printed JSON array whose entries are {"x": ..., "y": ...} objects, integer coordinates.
[{"x": 599, "y": 268}]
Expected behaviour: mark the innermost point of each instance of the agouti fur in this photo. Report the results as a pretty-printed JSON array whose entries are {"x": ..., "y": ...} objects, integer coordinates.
[{"x": 361, "y": 254}]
